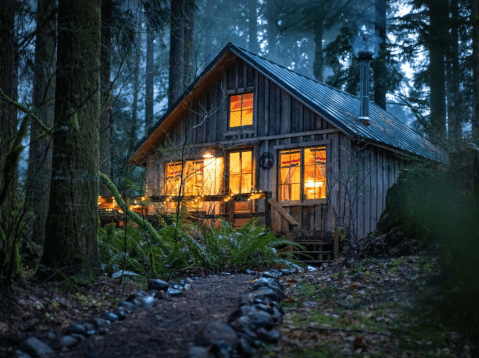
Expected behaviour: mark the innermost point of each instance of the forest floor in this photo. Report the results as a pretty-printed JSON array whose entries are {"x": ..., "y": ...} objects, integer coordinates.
[{"x": 369, "y": 308}]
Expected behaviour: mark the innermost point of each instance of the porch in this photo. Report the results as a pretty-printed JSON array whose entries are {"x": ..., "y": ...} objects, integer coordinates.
[{"x": 320, "y": 245}]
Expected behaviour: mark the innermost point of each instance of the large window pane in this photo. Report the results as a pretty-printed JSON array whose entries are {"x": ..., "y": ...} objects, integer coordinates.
[
  {"x": 241, "y": 110},
  {"x": 241, "y": 172},
  {"x": 315, "y": 173},
  {"x": 290, "y": 175}
]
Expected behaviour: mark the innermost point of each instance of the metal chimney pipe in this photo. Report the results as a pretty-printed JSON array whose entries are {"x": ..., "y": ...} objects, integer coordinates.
[{"x": 364, "y": 58}]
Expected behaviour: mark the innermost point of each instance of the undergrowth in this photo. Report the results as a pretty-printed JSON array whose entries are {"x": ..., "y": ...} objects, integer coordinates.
[{"x": 191, "y": 248}]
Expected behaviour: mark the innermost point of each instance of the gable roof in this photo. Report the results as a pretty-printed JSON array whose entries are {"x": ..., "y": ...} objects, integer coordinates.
[{"x": 341, "y": 109}]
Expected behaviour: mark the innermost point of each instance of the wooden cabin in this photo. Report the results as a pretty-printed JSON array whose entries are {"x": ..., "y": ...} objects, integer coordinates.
[{"x": 252, "y": 138}]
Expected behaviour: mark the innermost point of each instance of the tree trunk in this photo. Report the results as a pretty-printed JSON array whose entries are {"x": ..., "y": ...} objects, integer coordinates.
[
  {"x": 437, "y": 71},
  {"x": 453, "y": 77},
  {"x": 177, "y": 54},
  {"x": 189, "y": 51},
  {"x": 318, "y": 49},
  {"x": 475, "y": 41},
  {"x": 107, "y": 7},
  {"x": 150, "y": 79},
  {"x": 253, "y": 26},
  {"x": 40, "y": 154},
  {"x": 72, "y": 223},
  {"x": 8, "y": 125},
  {"x": 379, "y": 64},
  {"x": 136, "y": 89}
]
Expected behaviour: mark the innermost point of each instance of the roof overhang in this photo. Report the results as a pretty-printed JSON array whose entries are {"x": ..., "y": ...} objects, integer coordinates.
[{"x": 183, "y": 106}]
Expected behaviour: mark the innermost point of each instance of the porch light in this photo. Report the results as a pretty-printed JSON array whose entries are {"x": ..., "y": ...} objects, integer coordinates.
[{"x": 207, "y": 155}]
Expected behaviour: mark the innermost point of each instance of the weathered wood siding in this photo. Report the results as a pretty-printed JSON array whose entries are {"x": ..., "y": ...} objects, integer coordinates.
[{"x": 358, "y": 175}]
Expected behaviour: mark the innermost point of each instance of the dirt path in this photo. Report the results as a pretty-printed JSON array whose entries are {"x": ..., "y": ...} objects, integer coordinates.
[{"x": 169, "y": 328}]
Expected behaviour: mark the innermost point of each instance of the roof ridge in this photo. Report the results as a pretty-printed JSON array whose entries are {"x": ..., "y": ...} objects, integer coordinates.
[{"x": 231, "y": 44}]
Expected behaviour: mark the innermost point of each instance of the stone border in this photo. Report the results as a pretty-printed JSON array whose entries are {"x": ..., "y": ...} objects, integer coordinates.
[
  {"x": 46, "y": 344},
  {"x": 250, "y": 324}
]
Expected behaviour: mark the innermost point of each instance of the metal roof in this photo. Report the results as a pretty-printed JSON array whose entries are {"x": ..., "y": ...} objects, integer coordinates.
[{"x": 341, "y": 109}]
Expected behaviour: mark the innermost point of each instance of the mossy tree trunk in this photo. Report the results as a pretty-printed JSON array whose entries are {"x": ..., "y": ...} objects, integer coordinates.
[
  {"x": 72, "y": 224},
  {"x": 40, "y": 154},
  {"x": 8, "y": 124},
  {"x": 107, "y": 21}
]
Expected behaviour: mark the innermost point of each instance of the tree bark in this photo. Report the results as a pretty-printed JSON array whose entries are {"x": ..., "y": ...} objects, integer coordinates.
[
  {"x": 379, "y": 64},
  {"x": 136, "y": 81},
  {"x": 9, "y": 259},
  {"x": 177, "y": 54},
  {"x": 40, "y": 153},
  {"x": 437, "y": 70},
  {"x": 453, "y": 76},
  {"x": 150, "y": 79},
  {"x": 107, "y": 7},
  {"x": 189, "y": 51},
  {"x": 475, "y": 41},
  {"x": 72, "y": 223}
]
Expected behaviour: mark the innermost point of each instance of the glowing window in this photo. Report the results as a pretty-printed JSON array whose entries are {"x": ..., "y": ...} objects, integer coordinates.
[
  {"x": 241, "y": 110},
  {"x": 241, "y": 172},
  {"x": 173, "y": 178},
  {"x": 290, "y": 175},
  {"x": 192, "y": 183},
  {"x": 315, "y": 173},
  {"x": 302, "y": 170}
]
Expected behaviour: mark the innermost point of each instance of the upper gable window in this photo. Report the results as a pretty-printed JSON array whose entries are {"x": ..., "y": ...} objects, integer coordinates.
[{"x": 241, "y": 110}]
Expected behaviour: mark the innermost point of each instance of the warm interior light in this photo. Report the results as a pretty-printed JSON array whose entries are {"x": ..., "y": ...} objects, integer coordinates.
[{"x": 207, "y": 155}]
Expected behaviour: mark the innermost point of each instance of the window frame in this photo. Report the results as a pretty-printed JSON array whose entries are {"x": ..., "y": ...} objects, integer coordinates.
[
  {"x": 302, "y": 197},
  {"x": 229, "y": 111},
  {"x": 182, "y": 163},
  {"x": 228, "y": 169}
]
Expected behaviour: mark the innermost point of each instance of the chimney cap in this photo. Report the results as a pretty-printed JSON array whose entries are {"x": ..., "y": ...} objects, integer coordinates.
[{"x": 365, "y": 55}]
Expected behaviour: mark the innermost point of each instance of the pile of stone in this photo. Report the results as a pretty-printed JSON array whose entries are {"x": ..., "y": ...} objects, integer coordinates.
[
  {"x": 47, "y": 343},
  {"x": 249, "y": 326}
]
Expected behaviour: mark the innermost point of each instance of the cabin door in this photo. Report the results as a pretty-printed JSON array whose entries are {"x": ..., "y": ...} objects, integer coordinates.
[{"x": 241, "y": 180}]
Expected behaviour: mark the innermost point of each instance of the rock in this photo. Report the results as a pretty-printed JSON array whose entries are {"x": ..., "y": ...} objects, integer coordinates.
[
  {"x": 245, "y": 348},
  {"x": 326, "y": 265},
  {"x": 254, "y": 319},
  {"x": 99, "y": 322},
  {"x": 268, "y": 283},
  {"x": 36, "y": 347},
  {"x": 271, "y": 336},
  {"x": 270, "y": 274},
  {"x": 225, "y": 274},
  {"x": 121, "y": 312},
  {"x": 310, "y": 268},
  {"x": 161, "y": 295},
  {"x": 76, "y": 328},
  {"x": 141, "y": 293},
  {"x": 173, "y": 293},
  {"x": 147, "y": 301},
  {"x": 103, "y": 330},
  {"x": 214, "y": 331},
  {"x": 20, "y": 354},
  {"x": 177, "y": 287},
  {"x": 287, "y": 272},
  {"x": 152, "y": 292},
  {"x": 247, "y": 334},
  {"x": 65, "y": 342},
  {"x": 221, "y": 349},
  {"x": 109, "y": 316},
  {"x": 251, "y": 272},
  {"x": 157, "y": 284},
  {"x": 199, "y": 352},
  {"x": 79, "y": 337},
  {"x": 124, "y": 273},
  {"x": 127, "y": 305},
  {"x": 264, "y": 292},
  {"x": 187, "y": 286}
]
